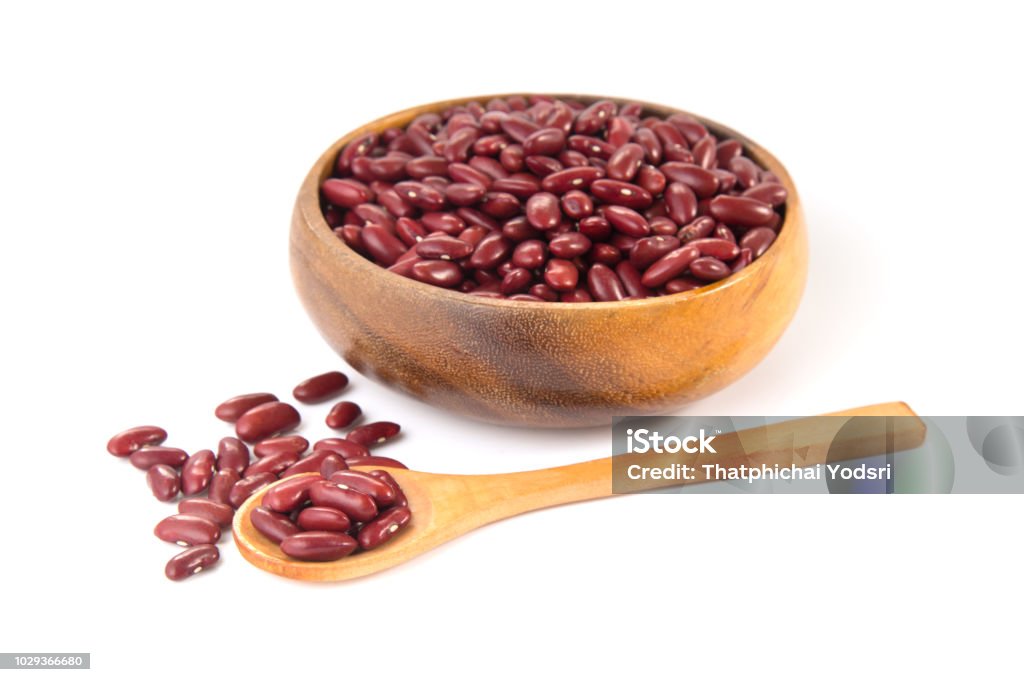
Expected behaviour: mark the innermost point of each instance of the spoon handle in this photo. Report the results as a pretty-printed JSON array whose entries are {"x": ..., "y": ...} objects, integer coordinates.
[{"x": 804, "y": 442}]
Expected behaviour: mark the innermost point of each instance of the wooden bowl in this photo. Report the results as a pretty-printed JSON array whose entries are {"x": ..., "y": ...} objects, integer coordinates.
[{"x": 543, "y": 364}]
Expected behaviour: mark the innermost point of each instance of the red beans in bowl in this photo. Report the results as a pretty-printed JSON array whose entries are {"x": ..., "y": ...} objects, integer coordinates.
[{"x": 541, "y": 202}]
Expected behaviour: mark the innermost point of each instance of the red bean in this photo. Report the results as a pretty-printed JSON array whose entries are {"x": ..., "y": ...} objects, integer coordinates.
[
  {"x": 530, "y": 254},
  {"x": 709, "y": 269},
  {"x": 130, "y": 440},
  {"x": 295, "y": 445},
  {"x": 318, "y": 546},
  {"x": 231, "y": 409},
  {"x": 438, "y": 272},
  {"x": 746, "y": 171},
  {"x": 621, "y": 193},
  {"x": 273, "y": 464},
  {"x": 518, "y": 128},
  {"x": 243, "y": 489},
  {"x": 464, "y": 193},
  {"x": 382, "y": 493},
  {"x": 384, "y": 527},
  {"x": 373, "y": 433},
  {"x": 321, "y": 387},
  {"x": 400, "y": 500},
  {"x": 722, "y": 249},
  {"x": 595, "y": 227},
  {"x": 163, "y": 482},
  {"x": 232, "y": 454},
  {"x": 375, "y": 461},
  {"x": 631, "y": 280},
  {"x": 702, "y": 181},
  {"x": 289, "y": 495},
  {"x": 698, "y": 229},
  {"x": 389, "y": 168},
  {"x": 346, "y": 448},
  {"x": 422, "y": 166},
  {"x": 561, "y": 275},
  {"x": 512, "y": 157},
  {"x": 647, "y": 251},
  {"x": 627, "y": 221},
  {"x": 516, "y": 281},
  {"x": 544, "y": 142},
  {"x": 191, "y": 561},
  {"x": 221, "y": 485},
  {"x": 309, "y": 465},
  {"x": 151, "y": 455},
  {"x": 359, "y": 147},
  {"x": 704, "y": 152},
  {"x": 577, "y": 205},
  {"x": 740, "y": 211},
  {"x": 348, "y": 193},
  {"x": 409, "y": 231},
  {"x": 274, "y": 525},
  {"x": 492, "y": 249},
  {"x": 757, "y": 240},
  {"x": 384, "y": 247},
  {"x": 323, "y": 518},
  {"x": 680, "y": 202},
  {"x": 358, "y": 506},
  {"x": 569, "y": 245},
  {"x": 571, "y": 178},
  {"x": 490, "y": 145},
  {"x": 682, "y": 284},
  {"x": 743, "y": 260},
  {"x": 605, "y": 253},
  {"x": 625, "y": 162},
  {"x": 669, "y": 265},
  {"x": 723, "y": 232},
  {"x": 187, "y": 530},
  {"x": 520, "y": 185},
  {"x": 197, "y": 472},
  {"x": 489, "y": 167},
  {"x": 331, "y": 463},
  {"x": 463, "y": 173},
  {"x": 595, "y": 117},
  {"x": 219, "y": 513},
  {"x": 771, "y": 193},
  {"x": 343, "y": 414},
  {"x": 604, "y": 284},
  {"x": 266, "y": 420},
  {"x": 421, "y": 195},
  {"x": 543, "y": 211},
  {"x": 620, "y": 130}
]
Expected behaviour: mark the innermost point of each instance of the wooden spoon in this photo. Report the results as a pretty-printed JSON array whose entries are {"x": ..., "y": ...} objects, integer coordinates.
[{"x": 446, "y": 506}]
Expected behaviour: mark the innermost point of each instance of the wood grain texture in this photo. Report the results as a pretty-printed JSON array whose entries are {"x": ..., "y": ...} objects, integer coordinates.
[
  {"x": 550, "y": 365},
  {"x": 446, "y": 506}
]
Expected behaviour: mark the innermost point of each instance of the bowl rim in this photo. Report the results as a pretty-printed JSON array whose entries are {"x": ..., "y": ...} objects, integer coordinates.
[{"x": 308, "y": 204}]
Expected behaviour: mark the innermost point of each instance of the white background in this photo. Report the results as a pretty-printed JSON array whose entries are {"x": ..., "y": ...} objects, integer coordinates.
[{"x": 148, "y": 164}]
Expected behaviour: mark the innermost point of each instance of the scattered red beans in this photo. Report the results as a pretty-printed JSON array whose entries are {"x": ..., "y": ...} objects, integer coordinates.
[
  {"x": 127, "y": 442},
  {"x": 266, "y": 420},
  {"x": 233, "y": 408},
  {"x": 321, "y": 387},
  {"x": 229, "y": 477},
  {"x": 343, "y": 415},
  {"x": 553, "y": 192},
  {"x": 191, "y": 561}
]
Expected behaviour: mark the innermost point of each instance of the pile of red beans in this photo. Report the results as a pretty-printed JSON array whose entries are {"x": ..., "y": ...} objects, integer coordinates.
[
  {"x": 214, "y": 485},
  {"x": 541, "y": 199}
]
